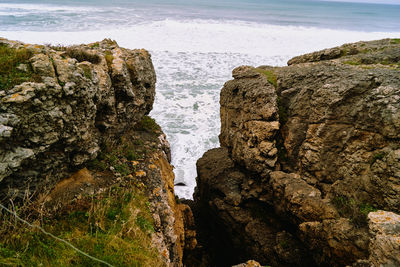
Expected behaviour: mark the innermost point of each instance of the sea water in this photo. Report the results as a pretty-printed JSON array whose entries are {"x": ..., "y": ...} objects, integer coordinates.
[{"x": 195, "y": 44}]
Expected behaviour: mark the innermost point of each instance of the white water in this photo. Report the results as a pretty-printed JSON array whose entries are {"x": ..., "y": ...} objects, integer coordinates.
[{"x": 193, "y": 58}]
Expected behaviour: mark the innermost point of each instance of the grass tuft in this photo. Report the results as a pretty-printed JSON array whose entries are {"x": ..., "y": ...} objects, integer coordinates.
[
  {"x": 109, "y": 59},
  {"x": 352, "y": 63},
  {"x": 95, "y": 45},
  {"x": 10, "y": 59},
  {"x": 145, "y": 224},
  {"x": 395, "y": 41},
  {"x": 355, "y": 210},
  {"x": 87, "y": 72},
  {"x": 271, "y": 76},
  {"x": 147, "y": 124},
  {"x": 377, "y": 156},
  {"x": 114, "y": 226}
]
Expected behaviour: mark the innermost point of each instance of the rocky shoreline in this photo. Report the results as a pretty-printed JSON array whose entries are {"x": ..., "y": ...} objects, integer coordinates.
[
  {"x": 309, "y": 153},
  {"x": 79, "y": 155},
  {"x": 308, "y": 172}
]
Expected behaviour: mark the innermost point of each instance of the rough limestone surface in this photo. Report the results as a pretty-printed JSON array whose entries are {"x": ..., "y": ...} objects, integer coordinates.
[
  {"x": 384, "y": 247},
  {"x": 87, "y": 94},
  {"x": 174, "y": 223},
  {"x": 249, "y": 263},
  {"x": 316, "y": 145}
]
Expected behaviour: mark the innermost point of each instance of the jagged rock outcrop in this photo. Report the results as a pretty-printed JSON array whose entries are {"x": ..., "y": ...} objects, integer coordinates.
[
  {"x": 81, "y": 96},
  {"x": 174, "y": 221},
  {"x": 307, "y": 152},
  {"x": 74, "y": 140}
]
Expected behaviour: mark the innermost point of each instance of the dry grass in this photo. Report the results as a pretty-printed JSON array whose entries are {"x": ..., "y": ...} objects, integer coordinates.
[
  {"x": 114, "y": 225},
  {"x": 81, "y": 55},
  {"x": 109, "y": 59}
]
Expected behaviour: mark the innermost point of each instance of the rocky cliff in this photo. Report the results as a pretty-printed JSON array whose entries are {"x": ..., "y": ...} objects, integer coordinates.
[
  {"x": 79, "y": 158},
  {"x": 307, "y": 152}
]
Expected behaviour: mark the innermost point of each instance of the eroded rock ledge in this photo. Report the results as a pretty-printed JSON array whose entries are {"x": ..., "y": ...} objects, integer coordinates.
[
  {"x": 307, "y": 152},
  {"x": 80, "y": 96},
  {"x": 79, "y": 158}
]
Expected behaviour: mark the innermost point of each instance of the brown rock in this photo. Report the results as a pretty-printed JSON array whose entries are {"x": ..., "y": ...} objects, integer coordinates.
[{"x": 314, "y": 146}]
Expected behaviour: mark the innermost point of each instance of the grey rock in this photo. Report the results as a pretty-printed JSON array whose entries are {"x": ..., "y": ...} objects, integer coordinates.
[
  {"x": 12, "y": 160},
  {"x": 22, "y": 67},
  {"x": 385, "y": 239},
  {"x": 51, "y": 127}
]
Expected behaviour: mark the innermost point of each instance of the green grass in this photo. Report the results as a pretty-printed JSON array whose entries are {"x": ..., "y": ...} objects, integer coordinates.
[
  {"x": 271, "y": 76},
  {"x": 131, "y": 154},
  {"x": 350, "y": 62},
  {"x": 147, "y": 124},
  {"x": 121, "y": 155},
  {"x": 10, "y": 59},
  {"x": 353, "y": 209},
  {"x": 123, "y": 168},
  {"x": 366, "y": 208},
  {"x": 109, "y": 58},
  {"x": 395, "y": 41},
  {"x": 114, "y": 226},
  {"x": 95, "y": 45},
  {"x": 58, "y": 47},
  {"x": 118, "y": 159},
  {"x": 87, "y": 72},
  {"x": 145, "y": 224},
  {"x": 97, "y": 164},
  {"x": 377, "y": 156}
]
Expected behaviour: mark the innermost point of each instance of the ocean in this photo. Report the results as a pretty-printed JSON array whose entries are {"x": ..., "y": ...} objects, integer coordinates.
[{"x": 195, "y": 44}]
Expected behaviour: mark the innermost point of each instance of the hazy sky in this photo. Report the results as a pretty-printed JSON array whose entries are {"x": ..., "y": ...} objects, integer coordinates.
[{"x": 370, "y": 1}]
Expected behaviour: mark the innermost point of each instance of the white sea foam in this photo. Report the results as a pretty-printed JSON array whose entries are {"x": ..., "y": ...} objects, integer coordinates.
[
  {"x": 210, "y": 36},
  {"x": 43, "y": 8},
  {"x": 193, "y": 59}
]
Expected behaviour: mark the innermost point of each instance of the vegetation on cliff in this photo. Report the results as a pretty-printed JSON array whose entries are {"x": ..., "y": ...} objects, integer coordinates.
[
  {"x": 15, "y": 67},
  {"x": 110, "y": 220},
  {"x": 114, "y": 226},
  {"x": 80, "y": 160}
]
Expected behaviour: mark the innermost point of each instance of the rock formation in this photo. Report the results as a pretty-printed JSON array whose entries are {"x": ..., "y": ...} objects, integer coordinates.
[
  {"x": 82, "y": 96},
  {"x": 307, "y": 151},
  {"x": 75, "y": 145}
]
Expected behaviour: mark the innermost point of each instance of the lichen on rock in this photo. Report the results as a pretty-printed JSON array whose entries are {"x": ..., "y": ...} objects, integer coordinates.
[
  {"x": 80, "y": 158},
  {"x": 314, "y": 146},
  {"x": 59, "y": 122}
]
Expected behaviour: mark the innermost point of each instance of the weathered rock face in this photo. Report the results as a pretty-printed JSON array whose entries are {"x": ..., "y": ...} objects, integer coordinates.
[
  {"x": 385, "y": 244},
  {"x": 174, "y": 222},
  {"x": 88, "y": 100},
  {"x": 87, "y": 94},
  {"x": 239, "y": 218},
  {"x": 313, "y": 147}
]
